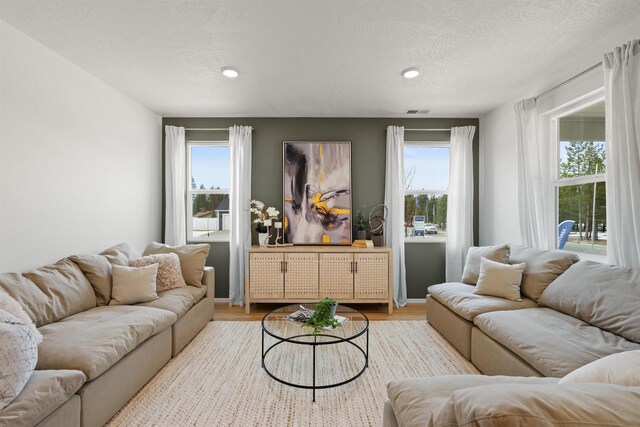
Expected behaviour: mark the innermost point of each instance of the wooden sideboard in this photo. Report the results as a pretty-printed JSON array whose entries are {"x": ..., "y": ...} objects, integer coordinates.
[{"x": 298, "y": 274}]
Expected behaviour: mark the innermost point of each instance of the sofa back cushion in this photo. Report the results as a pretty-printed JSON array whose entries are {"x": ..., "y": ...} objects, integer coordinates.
[
  {"x": 475, "y": 254},
  {"x": 543, "y": 266},
  {"x": 192, "y": 259},
  {"x": 97, "y": 270},
  {"x": 34, "y": 302},
  {"x": 603, "y": 295},
  {"x": 65, "y": 287},
  {"x": 120, "y": 254}
]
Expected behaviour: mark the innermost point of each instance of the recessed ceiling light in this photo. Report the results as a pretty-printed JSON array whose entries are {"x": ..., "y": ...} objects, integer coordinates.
[
  {"x": 230, "y": 72},
  {"x": 410, "y": 73}
]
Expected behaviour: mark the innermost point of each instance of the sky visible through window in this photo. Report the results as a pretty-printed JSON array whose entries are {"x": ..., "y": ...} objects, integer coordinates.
[
  {"x": 210, "y": 166},
  {"x": 431, "y": 167}
]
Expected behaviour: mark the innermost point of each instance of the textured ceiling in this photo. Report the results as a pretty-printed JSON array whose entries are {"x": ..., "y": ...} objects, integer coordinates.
[{"x": 320, "y": 58}]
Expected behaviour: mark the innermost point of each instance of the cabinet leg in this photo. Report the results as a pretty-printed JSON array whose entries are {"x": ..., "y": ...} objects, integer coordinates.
[
  {"x": 247, "y": 308},
  {"x": 391, "y": 307}
]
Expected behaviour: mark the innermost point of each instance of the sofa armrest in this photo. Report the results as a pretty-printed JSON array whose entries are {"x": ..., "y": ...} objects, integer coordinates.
[{"x": 209, "y": 281}]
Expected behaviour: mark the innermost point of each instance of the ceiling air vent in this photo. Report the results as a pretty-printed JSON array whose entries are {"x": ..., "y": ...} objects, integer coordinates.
[{"x": 417, "y": 111}]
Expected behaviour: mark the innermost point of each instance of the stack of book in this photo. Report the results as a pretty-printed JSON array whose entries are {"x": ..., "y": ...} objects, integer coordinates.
[{"x": 362, "y": 244}]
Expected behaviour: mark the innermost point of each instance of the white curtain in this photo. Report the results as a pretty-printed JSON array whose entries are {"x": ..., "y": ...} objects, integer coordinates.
[
  {"x": 239, "y": 200},
  {"x": 460, "y": 201},
  {"x": 175, "y": 233},
  {"x": 394, "y": 201},
  {"x": 531, "y": 176},
  {"x": 622, "y": 101}
]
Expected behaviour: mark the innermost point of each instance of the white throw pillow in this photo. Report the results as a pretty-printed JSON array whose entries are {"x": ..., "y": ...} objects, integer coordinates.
[
  {"x": 19, "y": 341},
  {"x": 132, "y": 285},
  {"x": 620, "y": 368},
  {"x": 500, "y": 280}
]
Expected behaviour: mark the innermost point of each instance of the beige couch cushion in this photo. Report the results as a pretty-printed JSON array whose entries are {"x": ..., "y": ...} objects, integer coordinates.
[
  {"x": 540, "y": 405},
  {"x": 97, "y": 269},
  {"x": 542, "y": 268},
  {"x": 600, "y": 294},
  {"x": 65, "y": 287},
  {"x": 474, "y": 254},
  {"x": 132, "y": 285},
  {"x": 552, "y": 342},
  {"x": 620, "y": 368},
  {"x": 198, "y": 293},
  {"x": 44, "y": 393},
  {"x": 120, "y": 254},
  {"x": 94, "y": 340},
  {"x": 26, "y": 292},
  {"x": 414, "y": 399},
  {"x": 178, "y": 300},
  {"x": 192, "y": 259},
  {"x": 500, "y": 280},
  {"x": 169, "y": 270},
  {"x": 460, "y": 299}
]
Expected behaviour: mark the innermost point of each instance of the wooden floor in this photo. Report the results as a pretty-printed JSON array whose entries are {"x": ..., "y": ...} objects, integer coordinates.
[{"x": 373, "y": 311}]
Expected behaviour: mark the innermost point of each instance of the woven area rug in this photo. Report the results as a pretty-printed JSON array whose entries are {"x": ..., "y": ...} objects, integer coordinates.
[{"x": 218, "y": 381}]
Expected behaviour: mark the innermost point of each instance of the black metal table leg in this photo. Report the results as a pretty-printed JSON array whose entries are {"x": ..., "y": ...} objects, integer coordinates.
[
  {"x": 315, "y": 340},
  {"x": 366, "y": 356},
  {"x": 262, "y": 351}
]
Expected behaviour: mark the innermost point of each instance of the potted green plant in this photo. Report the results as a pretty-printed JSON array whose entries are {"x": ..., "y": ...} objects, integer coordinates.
[
  {"x": 361, "y": 225},
  {"x": 324, "y": 316}
]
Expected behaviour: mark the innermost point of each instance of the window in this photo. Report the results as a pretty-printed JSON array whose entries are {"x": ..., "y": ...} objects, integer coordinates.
[
  {"x": 426, "y": 183},
  {"x": 580, "y": 181},
  {"x": 208, "y": 191}
]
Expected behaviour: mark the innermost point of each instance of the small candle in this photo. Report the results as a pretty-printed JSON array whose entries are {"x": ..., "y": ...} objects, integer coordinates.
[
  {"x": 267, "y": 223},
  {"x": 278, "y": 225}
]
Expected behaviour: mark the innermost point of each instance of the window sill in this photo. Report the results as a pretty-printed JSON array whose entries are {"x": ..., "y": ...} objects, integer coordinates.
[
  {"x": 208, "y": 240},
  {"x": 423, "y": 240}
]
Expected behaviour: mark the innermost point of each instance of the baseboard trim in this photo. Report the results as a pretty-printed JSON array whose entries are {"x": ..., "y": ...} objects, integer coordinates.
[{"x": 221, "y": 300}]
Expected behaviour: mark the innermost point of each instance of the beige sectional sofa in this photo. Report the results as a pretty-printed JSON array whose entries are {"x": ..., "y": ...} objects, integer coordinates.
[
  {"x": 572, "y": 313},
  {"x": 93, "y": 357}
]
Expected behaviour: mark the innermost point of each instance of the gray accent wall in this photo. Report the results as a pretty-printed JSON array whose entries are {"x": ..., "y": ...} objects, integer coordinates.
[{"x": 425, "y": 262}]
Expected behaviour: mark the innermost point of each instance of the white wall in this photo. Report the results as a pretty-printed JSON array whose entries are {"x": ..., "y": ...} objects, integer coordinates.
[
  {"x": 498, "y": 193},
  {"x": 80, "y": 163}
]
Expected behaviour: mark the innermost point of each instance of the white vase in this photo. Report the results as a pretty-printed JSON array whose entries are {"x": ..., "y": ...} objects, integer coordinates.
[{"x": 263, "y": 239}]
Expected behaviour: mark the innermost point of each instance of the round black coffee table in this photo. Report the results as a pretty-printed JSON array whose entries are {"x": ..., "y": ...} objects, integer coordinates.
[{"x": 276, "y": 325}]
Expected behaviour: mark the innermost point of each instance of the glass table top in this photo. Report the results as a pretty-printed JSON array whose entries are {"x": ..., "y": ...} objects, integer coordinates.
[{"x": 276, "y": 324}]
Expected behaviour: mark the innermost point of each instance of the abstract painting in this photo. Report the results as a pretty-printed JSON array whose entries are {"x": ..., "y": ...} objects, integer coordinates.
[{"x": 317, "y": 193}]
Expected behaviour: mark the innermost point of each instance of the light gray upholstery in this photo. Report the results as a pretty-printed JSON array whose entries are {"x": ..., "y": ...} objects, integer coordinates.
[
  {"x": 43, "y": 394},
  {"x": 67, "y": 415},
  {"x": 415, "y": 399},
  {"x": 104, "y": 396},
  {"x": 177, "y": 301},
  {"x": 94, "y": 340},
  {"x": 492, "y": 358},
  {"x": 452, "y": 327},
  {"x": 388, "y": 417},
  {"x": 543, "y": 267},
  {"x": 552, "y": 342},
  {"x": 602, "y": 295},
  {"x": 460, "y": 299}
]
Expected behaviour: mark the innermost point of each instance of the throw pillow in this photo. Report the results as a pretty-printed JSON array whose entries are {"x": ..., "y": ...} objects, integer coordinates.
[
  {"x": 474, "y": 254},
  {"x": 169, "y": 271},
  {"x": 132, "y": 285},
  {"x": 500, "y": 280},
  {"x": 19, "y": 341},
  {"x": 120, "y": 254},
  {"x": 97, "y": 269},
  {"x": 192, "y": 259},
  {"x": 620, "y": 368}
]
